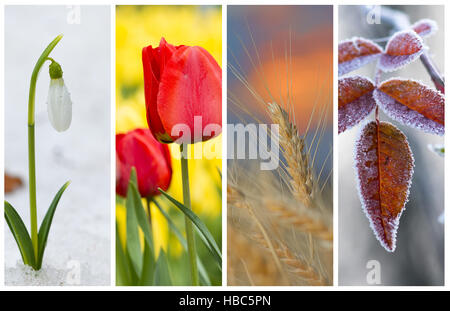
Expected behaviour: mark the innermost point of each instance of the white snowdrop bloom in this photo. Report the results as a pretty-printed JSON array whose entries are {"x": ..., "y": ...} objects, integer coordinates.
[{"x": 59, "y": 105}]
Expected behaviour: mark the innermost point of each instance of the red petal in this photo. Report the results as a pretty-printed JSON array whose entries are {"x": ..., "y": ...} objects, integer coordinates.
[
  {"x": 121, "y": 183},
  {"x": 150, "y": 61},
  {"x": 151, "y": 159},
  {"x": 191, "y": 86}
]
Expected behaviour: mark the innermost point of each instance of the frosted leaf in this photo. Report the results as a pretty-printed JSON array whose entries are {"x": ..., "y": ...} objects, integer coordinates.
[
  {"x": 355, "y": 53},
  {"x": 412, "y": 104},
  {"x": 403, "y": 48},
  {"x": 355, "y": 101},
  {"x": 384, "y": 169},
  {"x": 425, "y": 27}
]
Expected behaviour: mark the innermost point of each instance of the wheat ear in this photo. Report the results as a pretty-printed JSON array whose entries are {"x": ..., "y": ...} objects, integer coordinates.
[
  {"x": 295, "y": 265},
  {"x": 297, "y": 159},
  {"x": 260, "y": 271},
  {"x": 304, "y": 222}
]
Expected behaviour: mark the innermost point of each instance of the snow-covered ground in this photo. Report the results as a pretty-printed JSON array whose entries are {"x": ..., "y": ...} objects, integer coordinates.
[{"x": 78, "y": 249}]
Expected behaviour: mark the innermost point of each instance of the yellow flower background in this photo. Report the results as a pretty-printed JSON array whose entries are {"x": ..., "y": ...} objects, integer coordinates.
[{"x": 140, "y": 26}]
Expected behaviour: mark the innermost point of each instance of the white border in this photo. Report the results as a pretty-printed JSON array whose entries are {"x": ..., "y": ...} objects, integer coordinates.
[{"x": 224, "y": 3}]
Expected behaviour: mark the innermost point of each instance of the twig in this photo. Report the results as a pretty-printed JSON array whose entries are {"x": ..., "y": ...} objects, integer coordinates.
[{"x": 400, "y": 21}]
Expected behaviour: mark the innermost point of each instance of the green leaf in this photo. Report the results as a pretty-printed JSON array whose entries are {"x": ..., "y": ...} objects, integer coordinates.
[
  {"x": 148, "y": 269},
  {"x": 123, "y": 272},
  {"x": 140, "y": 220},
  {"x": 162, "y": 275},
  {"x": 141, "y": 217},
  {"x": 209, "y": 239},
  {"x": 20, "y": 234},
  {"x": 204, "y": 278},
  {"x": 133, "y": 244},
  {"x": 44, "y": 229}
]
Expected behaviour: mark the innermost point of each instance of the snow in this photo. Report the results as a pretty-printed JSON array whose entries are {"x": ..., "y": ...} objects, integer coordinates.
[{"x": 79, "y": 245}]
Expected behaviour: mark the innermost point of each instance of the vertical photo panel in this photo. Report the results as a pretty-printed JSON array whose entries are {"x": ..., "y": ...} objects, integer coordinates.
[
  {"x": 57, "y": 145},
  {"x": 391, "y": 152},
  {"x": 280, "y": 145},
  {"x": 168, "y": 145}
]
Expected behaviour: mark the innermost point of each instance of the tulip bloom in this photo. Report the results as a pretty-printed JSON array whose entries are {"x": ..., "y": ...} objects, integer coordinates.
[
  {"x": 183, "y": 93},
  {"x": 151, "y": 159},
  {"x": 59, "y": 104}
]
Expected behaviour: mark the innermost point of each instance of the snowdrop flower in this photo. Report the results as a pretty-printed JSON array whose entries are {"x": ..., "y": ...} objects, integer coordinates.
[{"x": 59, "y": 104}]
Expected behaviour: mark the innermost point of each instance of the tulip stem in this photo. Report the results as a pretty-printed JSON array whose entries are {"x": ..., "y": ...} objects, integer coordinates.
[
  {"x": 188, "y": 224},
  {"x": 31, "y": 143}
]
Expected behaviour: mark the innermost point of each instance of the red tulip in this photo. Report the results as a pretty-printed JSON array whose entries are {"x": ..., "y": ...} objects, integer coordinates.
[
  {"x": 151, "y": 159},
  {"x": 182, "y": 82}
]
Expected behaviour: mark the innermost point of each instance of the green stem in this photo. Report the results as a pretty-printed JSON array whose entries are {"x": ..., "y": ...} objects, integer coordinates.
[
  {"x": 189, "y": 228},
  {"x": 31, "y": 144},
  {"x": 149, "y": 210}
]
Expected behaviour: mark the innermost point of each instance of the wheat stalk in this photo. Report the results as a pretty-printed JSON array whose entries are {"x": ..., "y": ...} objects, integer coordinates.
[
  {"x": 296, "y": 266},
  {"x": 257, "y": 268},
  {"x": 305, "y": 222}
]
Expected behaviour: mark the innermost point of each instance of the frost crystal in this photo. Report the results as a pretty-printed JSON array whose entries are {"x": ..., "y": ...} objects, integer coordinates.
[
  {"x": 425, "y": 27},
  {"x": 356, "y": 63},
  {"x": 356, "y": 53},
  {"x": 384, "y": 168},
  {"x": 412, "y": 104},
  {"x": 403, "y": 48},
  {"x": 355, "y": 101},
  {"x": 354, "y": 112}
]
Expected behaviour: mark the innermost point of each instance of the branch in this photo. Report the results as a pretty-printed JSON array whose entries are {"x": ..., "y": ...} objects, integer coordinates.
[{"x": 399, "y": 21}]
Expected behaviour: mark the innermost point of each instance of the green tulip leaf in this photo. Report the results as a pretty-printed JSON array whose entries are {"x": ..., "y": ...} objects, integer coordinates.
[
  {"x": 148, "y": 268},
  {"x": 141, "y": 217},
  {"x": 44, "y": 229},
  {"x": 133, "y": 245},
  {"x": 208, "y": 238},
  {"x": 204, "y": 278},
  {"x": 123, "y": 272},
  {"x": 20, "y": 234},
  {"x": 162, "y": 275}
]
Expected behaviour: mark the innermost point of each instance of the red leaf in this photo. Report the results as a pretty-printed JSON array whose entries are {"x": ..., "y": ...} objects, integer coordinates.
[
  {"x": 384, "y": 167},
  {"x": 424, "y": 27},
  {"x": 356, "y": 53},
  {"x": 355, "y": 101},
  {"x": 403, "y": 48},
  {"x": 412, "y": 104}
]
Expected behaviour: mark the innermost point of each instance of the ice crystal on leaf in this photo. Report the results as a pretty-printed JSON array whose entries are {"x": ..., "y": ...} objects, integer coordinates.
[
  {"x": 355, "y": 53},
  {"x": 384, "y": 169},
  {"x": 403, "y": 48},
  {"x": 355, "y": 101},
  {"x": 425, "y": 27},
  {"x": 413, "y": 104}
]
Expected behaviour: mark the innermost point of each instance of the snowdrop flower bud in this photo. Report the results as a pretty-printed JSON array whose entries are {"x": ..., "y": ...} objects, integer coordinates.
[{"x": 59, "y": 104}]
